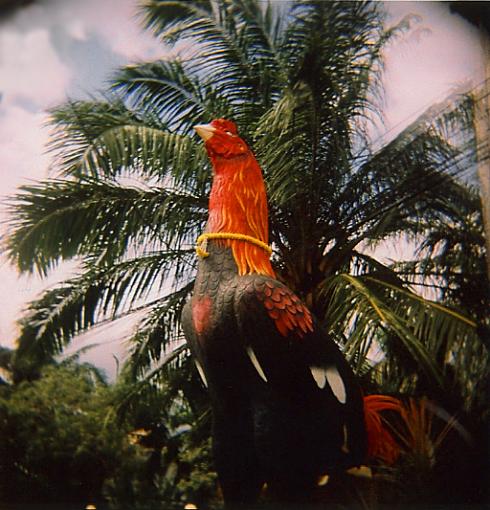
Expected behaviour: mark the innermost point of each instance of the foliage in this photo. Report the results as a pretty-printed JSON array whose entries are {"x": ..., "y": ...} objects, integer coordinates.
[
  {"x": 6, "y": 355},
  {"x": 68, "y": 438},
  {"x": 426, "y": 473},
  {"x": 58, "y": 442},
  {"x": 170, "y": 423}
]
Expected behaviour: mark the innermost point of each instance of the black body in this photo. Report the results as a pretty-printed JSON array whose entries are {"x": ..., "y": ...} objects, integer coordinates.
[{"x": 273, "y": 424}]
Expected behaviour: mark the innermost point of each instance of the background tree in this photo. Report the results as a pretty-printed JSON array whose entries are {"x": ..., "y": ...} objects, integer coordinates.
[
  {"x": 69, "y": 438},
  {"x": 170, "y": 425},
  {"x": 58, "y": 441},
  {"x": 302, "y": 81},
  {"x": 6, "y": 355}
]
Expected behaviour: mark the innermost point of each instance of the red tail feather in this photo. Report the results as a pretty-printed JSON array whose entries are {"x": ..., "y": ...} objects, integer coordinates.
[{"x": 381, "y": 444}]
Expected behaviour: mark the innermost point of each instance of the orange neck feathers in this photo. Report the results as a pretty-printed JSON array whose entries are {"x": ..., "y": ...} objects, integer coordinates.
[{"x": 238, "y": 204}]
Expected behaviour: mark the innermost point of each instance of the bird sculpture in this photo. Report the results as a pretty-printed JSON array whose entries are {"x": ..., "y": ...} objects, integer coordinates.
[{"x": 287, "y": 409}]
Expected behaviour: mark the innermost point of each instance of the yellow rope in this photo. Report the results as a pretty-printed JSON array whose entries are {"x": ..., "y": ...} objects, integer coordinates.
[{"x": 228, "y": 235}]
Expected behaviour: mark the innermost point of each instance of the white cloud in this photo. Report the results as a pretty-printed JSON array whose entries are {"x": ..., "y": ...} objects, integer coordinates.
[
  {"x": 125, "y": 32},
  {"x": 434, "y": 58},
  {"x": 30, "y": 69},
  {"x": 22, "y": 147},
  {"x": 35, "y": 72},
  {"x": 76, "y": 29},
  {"x": 18, "y": 291},
  {"x": 117, "y": 21}
]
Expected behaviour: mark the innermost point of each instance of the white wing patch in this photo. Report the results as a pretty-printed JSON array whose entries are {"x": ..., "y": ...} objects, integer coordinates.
[
  {"x": 319, "y": 375},
  {"x": 330, "y": 374},
  {"x": 201, "y": 372},
  {"x": 255, "y": 363},
  {"x": 336, "y": 383}
]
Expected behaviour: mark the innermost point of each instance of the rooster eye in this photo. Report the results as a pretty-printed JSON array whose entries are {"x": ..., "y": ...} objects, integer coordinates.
[{"x": 229, "y": 133}]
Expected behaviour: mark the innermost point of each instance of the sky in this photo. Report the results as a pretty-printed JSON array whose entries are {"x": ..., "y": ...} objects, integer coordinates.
[{"x": 52, "y": 50}]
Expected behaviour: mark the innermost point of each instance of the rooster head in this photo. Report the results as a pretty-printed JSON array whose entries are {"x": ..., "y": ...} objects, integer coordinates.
[{"x": 221, "y": 139}]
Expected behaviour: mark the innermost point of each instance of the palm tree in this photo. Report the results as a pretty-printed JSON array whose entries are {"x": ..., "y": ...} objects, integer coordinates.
[{"x": 302, "y": 81}]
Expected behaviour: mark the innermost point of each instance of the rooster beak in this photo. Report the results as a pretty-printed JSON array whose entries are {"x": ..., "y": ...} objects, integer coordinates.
[{"x": 205, "y": 131}]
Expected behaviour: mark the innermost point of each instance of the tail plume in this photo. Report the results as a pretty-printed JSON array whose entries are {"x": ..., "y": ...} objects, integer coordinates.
[{"x": 381, "y": 444}]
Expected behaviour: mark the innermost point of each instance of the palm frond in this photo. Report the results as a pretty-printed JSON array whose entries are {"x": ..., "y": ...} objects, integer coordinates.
[
  {"x": 77, "y": 124},
  {"x": 59, "y": 220},
  {"x": 140, "y": 150},
  {"x": 211, "y": 26},
  {"x": 422, "y": 335},
  {"x": 281, "y": 144},
  {"x": 152, "y": 386},
  {"x": 158, "y": 333},
  {"x": 236, "y": 48},
  {"x": 410, "y": 176},
  {"x": 107, "y": 140},
  {"x": 163, "y": 15},
  {"x": 172, "y": 92},
  {"x": 101, "y": 293}
]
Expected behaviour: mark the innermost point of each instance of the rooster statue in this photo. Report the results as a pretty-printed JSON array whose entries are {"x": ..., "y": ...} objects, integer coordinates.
[{"x": 287, "y": 409}]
